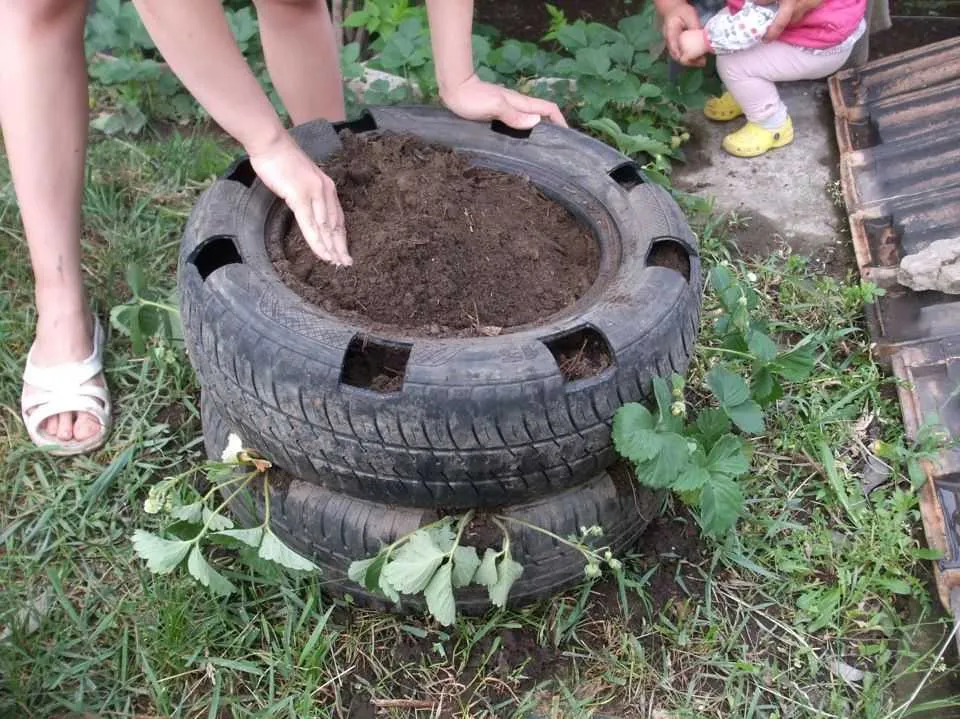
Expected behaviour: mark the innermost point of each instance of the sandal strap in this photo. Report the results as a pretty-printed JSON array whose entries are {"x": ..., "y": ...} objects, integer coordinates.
[
  {"x": 66, "y": 378},
  {"x": 36, "y": 413}
]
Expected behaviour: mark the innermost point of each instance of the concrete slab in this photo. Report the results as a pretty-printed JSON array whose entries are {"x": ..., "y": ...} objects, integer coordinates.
[{"x": 788, "y": 197}]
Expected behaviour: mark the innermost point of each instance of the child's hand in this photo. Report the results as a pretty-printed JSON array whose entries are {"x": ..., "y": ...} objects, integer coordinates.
[
  {"x": 474, "y": 99},
  {"x": 693, "y": 46}
]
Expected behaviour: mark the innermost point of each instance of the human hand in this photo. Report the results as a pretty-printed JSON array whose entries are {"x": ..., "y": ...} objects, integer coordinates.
[
  {"x": 310, "y": 194},
  {"x": 790, "y": 11},
  {"x": 678, "y": 19},
  {"x": 693, "y": 46},
  {"x": 474, "y": 99}
]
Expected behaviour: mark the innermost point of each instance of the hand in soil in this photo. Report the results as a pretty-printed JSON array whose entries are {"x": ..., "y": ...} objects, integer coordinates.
[
  {"x": 789, "y": 12},
  {"x": 310, "y": 194},
  {"x": 475, "y": 99}
]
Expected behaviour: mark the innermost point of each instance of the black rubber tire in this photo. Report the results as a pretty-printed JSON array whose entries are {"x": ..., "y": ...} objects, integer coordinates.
[
  {"x": 478, "y": 422},
  {"x": 334, "y": 530}
]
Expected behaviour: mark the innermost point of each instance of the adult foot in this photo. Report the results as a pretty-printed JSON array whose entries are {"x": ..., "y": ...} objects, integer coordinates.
[{"x": 61, "y": 342}]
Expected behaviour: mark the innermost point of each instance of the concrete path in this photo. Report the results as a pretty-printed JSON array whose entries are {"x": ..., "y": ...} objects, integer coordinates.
[{"x": 788, "y": 196}]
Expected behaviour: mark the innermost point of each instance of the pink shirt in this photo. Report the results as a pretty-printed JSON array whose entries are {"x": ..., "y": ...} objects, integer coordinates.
[{"x": 825, "y": 26}]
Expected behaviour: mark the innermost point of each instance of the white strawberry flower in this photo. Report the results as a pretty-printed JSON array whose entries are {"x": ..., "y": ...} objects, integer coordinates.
[{"x": 231, "y": 453}]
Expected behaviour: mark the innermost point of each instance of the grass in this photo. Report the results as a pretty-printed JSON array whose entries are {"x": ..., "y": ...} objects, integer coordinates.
[{"x": 817, "y": 574}]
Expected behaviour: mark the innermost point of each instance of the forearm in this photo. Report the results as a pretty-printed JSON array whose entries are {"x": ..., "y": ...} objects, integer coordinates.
[
  {"x": 451, "y": 37},
  {"x": 728, "y": 33},
  {"x": 665, "y": 6},
  {"x": 197, "y": 44}
]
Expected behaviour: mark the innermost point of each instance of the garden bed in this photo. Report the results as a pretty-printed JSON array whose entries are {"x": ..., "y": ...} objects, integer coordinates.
[{"x": 441, "y": 248}]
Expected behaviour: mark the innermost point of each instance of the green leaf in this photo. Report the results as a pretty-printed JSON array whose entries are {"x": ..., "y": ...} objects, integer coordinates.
[
  {"x": 190, "y": 513},
  {"x": 412, "y": 565},
  {"x": 712, "y": 424},
  {"x": 162, "y": 555},
  {"x": 465, "y": 564},
  {"x": 216, "y": 521},
  {"x": 765, "y": 387},
  {"x": 721, "y": 502},
  {"x": 272, "y": 549},
  {"x": 720, "y": 278},
  {"x": 649, "y": 90},
  {"x": 916, "y": 474},
  {"x": 357, "y": 571},
  {"x": 251, "y": 537},
  {"x": 135, "y": 280},
  {"x": 207, "y": 575},
  {"x": 593, "y": 61},
  {"x": 639, "y": 31},
  {"x": 691, "y": 479},
  {"x": 662, "y": 471},
  {"x": 487, "y": 572},
  {"x": 748, "y": 416},
  {"x": 572, "y": 37},
  {"x": 384, "y": 584},
  {"x": 897, "y": 586},
  {"x": 508, "y": 572},
  {"x": 727, "y": 457},
  {"x": 443, "y": 535},
  {"x": 729, "y": 388},
  {"x": 796, "y": 364},
  {"x": 761, "y": 346},
  {"x": 439, "y": 596},
  {"x": 633, "y": 436}
]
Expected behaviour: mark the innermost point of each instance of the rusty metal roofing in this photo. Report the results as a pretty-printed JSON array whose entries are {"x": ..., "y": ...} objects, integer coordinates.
[{"x": 898, "y": 132}]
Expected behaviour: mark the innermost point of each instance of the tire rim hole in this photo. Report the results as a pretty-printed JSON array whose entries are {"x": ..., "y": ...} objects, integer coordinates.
[
  {"x": 215, "y": 253},
  {"x": 374, "y": 364},
  {"x": 627, "y": 175},
  {"x": 670, "y": 254},
  {"x": 242, "y": 172},
  {"x": 581, "y": 353}
]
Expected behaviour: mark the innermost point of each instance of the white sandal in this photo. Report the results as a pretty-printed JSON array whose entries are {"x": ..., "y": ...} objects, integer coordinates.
[{"x": 64, "y": 388}]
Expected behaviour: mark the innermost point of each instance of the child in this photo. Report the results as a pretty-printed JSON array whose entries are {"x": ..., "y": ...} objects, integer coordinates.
[{"x": 815, "y": 47}]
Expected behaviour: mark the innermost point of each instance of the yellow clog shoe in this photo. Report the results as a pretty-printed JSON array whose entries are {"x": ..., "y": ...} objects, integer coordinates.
[
  {"x": 722, "y": 108},
  {"x": 752, "y": 140}
]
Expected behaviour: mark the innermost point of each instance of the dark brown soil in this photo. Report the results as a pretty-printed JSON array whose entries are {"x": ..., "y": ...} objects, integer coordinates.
[
  {"x": 530, "y": 20},
  {"x": 907, "y": 33},
  {"x": 440, "y": 248}
]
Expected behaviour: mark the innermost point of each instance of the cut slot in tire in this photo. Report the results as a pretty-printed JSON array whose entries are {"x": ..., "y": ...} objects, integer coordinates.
[
  {"x": 215, "y": 253},
  {"x": 333, "y": 530},
  {"x": 375, "y": 365},
  {"x": 580, "y": 354},
  {"x": 672, "y": 255},
  {"x": 478, "y": 421}
]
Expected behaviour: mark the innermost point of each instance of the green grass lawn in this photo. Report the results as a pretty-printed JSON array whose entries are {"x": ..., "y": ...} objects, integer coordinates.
[{"x": 816, "y": 577}]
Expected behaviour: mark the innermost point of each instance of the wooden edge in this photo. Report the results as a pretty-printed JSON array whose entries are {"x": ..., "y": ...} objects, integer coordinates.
[{"x": 931, "y": 512}]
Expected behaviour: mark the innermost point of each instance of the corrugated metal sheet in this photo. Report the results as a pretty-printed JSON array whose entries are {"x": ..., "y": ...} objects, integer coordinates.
[{"x": 898, "y": 131}]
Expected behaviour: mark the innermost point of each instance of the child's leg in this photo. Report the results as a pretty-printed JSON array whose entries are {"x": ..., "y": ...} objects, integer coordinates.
[
  {"x": 301, "y": 53},
  {"x": 750, "y": 76}
]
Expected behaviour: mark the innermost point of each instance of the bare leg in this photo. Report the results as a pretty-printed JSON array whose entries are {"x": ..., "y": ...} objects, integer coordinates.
[
  {"x": 43, "y": 115},
  {"x": 301, "y": 53}
]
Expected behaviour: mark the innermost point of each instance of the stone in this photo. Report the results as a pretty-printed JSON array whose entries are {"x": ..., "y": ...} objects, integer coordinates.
[{"x": 936, "y": 267}]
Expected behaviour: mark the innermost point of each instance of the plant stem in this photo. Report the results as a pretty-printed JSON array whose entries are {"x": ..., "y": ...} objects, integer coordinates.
[
  {"x": 464, "y": 521},
  {"x": 733, "y": 353},
  {"x": 206, "y": 525},
  {"x": 586, "y": 552},
  {"x": 160, "y": 306}
]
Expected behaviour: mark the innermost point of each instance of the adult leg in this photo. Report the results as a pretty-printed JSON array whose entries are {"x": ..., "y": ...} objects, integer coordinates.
[
  {"x": 43, "y": 116},
  {"x": 301, "y": 53}
]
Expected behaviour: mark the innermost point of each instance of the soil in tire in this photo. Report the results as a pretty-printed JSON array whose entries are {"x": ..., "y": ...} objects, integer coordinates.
[{"x": 440, "y": 248}]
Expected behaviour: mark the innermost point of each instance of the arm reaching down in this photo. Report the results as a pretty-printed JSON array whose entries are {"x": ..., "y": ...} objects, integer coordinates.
[
  {"x": 451, "y": 36},
  {"x": 197, "y": 44}
]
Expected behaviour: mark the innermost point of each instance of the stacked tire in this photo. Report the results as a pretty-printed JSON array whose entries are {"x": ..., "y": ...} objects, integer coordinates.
[{"x": 487, "y": 423}]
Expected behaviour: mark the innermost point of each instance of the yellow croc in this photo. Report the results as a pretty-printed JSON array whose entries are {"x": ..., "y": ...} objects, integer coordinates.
[
  {"x": 722, "y": 108},
  {"x": 752, "y": 140}
]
